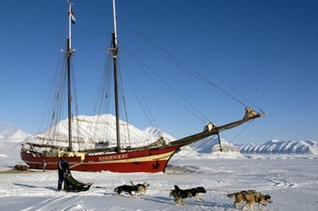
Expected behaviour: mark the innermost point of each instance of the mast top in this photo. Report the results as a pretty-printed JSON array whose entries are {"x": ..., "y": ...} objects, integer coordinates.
[
  {"x": 115, "y": 23},
  {"x": 71, "y": 20}
]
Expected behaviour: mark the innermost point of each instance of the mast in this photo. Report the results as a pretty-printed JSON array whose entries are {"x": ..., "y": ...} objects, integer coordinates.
[
  {"x": 69, "y": 53},
  {"x": 114, "y": 52}
]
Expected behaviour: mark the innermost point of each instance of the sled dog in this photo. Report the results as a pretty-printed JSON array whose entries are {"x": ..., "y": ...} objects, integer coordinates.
[
  {"x": 139, "y": 188},
  {"x": 179, "y": 194},
  {"x": 250, "y": 197}
]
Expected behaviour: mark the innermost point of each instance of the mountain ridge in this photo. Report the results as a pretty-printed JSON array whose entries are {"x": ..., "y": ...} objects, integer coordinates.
[
  {"x": 281, "y": 147},
  {"x": 150, "y": 134}
]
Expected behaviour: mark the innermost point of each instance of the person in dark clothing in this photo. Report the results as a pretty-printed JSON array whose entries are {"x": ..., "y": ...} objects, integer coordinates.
[
  {"x": 63, "y": 171},
  {"x": 44, "y": 165}
]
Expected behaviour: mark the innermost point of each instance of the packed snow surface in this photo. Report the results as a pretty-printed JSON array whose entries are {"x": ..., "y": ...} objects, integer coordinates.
[{"x": 292, "y": 184}]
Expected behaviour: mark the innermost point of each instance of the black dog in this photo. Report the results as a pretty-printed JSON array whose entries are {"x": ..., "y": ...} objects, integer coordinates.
[
  {"x": 125, "y": 188},
  {"x": 179, "y": 194},
  {"x": 139, "y": 188}
]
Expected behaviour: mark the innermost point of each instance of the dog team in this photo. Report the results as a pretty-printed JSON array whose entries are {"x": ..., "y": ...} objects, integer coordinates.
[{"x": 249, "y": 197}]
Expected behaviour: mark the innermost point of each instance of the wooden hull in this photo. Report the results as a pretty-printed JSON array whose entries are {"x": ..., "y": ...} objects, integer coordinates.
[{"x": 150, "y": 160}]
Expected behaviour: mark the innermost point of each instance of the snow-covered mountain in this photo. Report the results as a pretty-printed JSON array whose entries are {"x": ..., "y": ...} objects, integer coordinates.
[
  {"x": 10, "y": 142},
  {"x": 90, "y": 130},
  {"x": 14, "y": 135},
  {"x": 211, "y": 144},
  {"x": 87, "y": 131},
  {"x": 281, "y": 147},
  {"x": 157, "y": 132}
]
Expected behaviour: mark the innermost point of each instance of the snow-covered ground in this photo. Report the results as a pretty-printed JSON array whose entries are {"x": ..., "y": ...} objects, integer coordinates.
[{"x": 292, "y": 182}]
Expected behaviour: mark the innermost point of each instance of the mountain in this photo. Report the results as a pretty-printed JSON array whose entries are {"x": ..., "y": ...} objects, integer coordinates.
[
  {"x": 157, "y": 132},
  {"x": 89, "y": 130},
  {"x": 10, "y": 143},
  {"x": 14, "y": 135},
  {"x": 211, "y": 144},
  {"x": 281, "y": 147},
  {"x": 10, "y": 140}
]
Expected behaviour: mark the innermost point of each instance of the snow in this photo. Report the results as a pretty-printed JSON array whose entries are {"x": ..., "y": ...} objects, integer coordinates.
[
  {"x": 89, "y": 130},
  {"x": 282, "y": 147},
  {"x": 291, "y": 181}
]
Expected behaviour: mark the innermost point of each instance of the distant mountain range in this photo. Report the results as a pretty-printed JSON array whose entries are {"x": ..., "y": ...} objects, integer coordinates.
[
  {"x": 211, "y": 144},
  {"x": 208, "y": 145},
  {"x": 281, "y": 147}
]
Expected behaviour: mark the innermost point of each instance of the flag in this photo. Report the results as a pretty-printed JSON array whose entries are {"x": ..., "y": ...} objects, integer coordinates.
[{"x": 72, "y": 16}]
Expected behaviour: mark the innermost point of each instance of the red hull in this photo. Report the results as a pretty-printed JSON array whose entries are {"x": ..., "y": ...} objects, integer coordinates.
[{"x": 151, "y": 160}]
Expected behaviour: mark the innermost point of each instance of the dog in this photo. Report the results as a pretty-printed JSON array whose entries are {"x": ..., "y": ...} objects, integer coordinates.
[
  {"x": 250, "y": 197},
  {"x": 139, "y": 188},
  {"x": 179, "y": 194}
]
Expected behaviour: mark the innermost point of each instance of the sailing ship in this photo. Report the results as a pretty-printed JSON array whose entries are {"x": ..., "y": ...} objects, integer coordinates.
[{"x": 152, "y": 157}]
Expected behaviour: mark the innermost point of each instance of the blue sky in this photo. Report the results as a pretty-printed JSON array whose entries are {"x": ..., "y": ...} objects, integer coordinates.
[{"x": 265, "y": 50}]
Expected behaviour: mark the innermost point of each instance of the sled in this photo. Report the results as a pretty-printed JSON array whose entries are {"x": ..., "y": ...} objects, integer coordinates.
[{"x": 72, "y": 185}]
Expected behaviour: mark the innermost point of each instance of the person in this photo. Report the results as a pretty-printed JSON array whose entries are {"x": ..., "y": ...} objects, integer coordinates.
[
  {"x": 63, "y": 171},
  {"x": 44, "y": 165}
]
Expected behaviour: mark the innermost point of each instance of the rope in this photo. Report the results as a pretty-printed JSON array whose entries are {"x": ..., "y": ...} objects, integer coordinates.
[
  {"x": 246, "y": 126},
  {"x": 166, "y": 189},
  {"x": 194, "y": 149}
]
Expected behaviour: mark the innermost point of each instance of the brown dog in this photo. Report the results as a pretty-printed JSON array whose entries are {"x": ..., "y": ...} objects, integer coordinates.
[{"x": 250, "y": 197}]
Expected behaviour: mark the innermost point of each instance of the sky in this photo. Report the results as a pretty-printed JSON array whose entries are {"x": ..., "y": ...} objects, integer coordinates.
[{"x": 263, "y": 54}]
